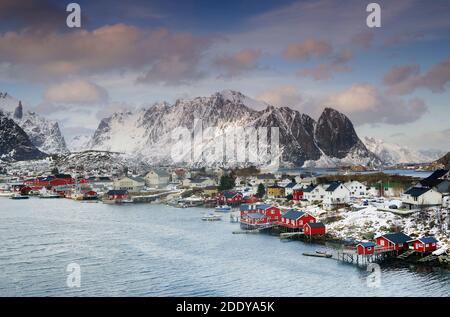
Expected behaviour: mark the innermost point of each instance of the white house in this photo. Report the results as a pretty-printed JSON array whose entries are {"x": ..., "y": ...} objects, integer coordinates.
[
  {"x": 132, "y": 184},
  {"x": 199, "y": 182},
  {"x": 314, "y": 193},
  {"x": 357, "y": 189},
  {"x": 157, "y": 178},
  {"x": 336, "y": 194},
  {"x": 421, "y": 197}
]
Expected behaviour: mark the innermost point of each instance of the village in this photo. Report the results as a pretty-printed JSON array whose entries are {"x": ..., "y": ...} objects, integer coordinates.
[{"x": 371, "y": 220}]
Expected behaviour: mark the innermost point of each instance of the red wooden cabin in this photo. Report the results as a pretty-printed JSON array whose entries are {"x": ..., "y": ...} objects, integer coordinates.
[
  {"x": 254, "y": 219},
  {"x": 230, "y": 198},
  {"x": 394, "y": 241},
  {"x": 117, "y": 194},
  {"x": 314, "y": 229},
  {"x": 364, "y": 248},
  {"x": 425, "y": 244},
  {"x": 296, "y": 219},
  {"x": 272, "y": 213}
]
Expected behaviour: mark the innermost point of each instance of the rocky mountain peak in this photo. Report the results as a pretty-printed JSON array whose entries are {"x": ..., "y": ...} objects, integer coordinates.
[{"x": 18, "y": 112}]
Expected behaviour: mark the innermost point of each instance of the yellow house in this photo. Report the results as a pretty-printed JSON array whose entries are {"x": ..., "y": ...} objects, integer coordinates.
[
  {"x": 275, "y": 191},
  {"x": 210, "y": 191}
]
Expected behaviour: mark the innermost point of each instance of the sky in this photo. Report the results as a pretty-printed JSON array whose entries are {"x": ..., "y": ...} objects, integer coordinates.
[{"x": 391, "y": 81}]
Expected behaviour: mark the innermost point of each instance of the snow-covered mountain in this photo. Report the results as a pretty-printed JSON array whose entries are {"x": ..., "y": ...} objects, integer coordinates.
[
  {"x": 78, "y": 143},
  {"x": 148, "y": 132},
  {"x": 396, "y": 154},
  {"x": 43, "y": 133}
]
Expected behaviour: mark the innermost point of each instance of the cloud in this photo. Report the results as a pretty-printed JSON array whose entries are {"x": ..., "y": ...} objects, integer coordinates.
[
  {"x": 307, "y": 49},
  {"x": 363, "y": 39},
  {"x": 365, "y": 103},
  {"x": 327, "y": 71},
  {"x": 400, "y": 73},
  {"x": 236, "y": 64},
  {"x": 287, "y": 95},
  {"x": 120, "y": 47},
  {"x": 76, "y": 92},
  {"x": 402, "y": 80}
]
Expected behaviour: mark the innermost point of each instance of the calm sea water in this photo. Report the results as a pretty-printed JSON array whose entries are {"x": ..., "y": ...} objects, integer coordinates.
[{"x": 155, "y": 250}]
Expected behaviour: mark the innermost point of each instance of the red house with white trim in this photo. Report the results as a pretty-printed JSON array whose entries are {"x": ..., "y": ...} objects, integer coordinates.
[
  {"x": 365, "y": 248},
  {"x": 314, "y": 229},
  {"x": 230, "y": 198},
  {"x": 272, "y": 213},
  {"x": 394, "y": 241},
  {"x": 425, "y": 244},
  {"x": 296, "y": 219}
]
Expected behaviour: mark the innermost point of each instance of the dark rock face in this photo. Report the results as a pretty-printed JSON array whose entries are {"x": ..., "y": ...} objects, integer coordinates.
[
  {"x": 335, "y": 134},
  {"x": 15, "y": 143},
  {"x": 18, "y": 113}
]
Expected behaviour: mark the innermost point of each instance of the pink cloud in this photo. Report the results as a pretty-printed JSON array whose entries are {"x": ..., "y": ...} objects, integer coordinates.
[
  {"x": 307, "y": 49},
  {"x": 51, "y": 55},
  {"x": 402, "y": 80},
  {"x": 239, "y": 62}
]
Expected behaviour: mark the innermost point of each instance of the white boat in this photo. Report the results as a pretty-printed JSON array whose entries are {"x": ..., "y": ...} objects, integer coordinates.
[
  {"x": 223, "y": 208},
  {"x": 6, "y": 194},
  {"x": 17, "y": 196},
  {"x": 211, "y": 217}
]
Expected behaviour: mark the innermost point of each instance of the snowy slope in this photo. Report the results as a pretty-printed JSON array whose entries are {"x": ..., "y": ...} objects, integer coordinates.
[
  {"x": 396, "y": 154},
  {"x": 78, "y": 143},
  {"x": 43, "y": 133}
]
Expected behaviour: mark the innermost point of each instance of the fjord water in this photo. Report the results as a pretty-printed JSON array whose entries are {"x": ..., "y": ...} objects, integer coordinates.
[{"x": 155, "y": 250}]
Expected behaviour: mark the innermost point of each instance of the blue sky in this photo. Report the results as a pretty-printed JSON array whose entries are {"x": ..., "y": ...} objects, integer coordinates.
[{"x": 392, "y": 82}]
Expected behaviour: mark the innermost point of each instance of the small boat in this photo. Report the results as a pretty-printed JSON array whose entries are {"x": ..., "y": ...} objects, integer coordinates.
[
  {"x": 49, "y": 196},
  {"x": 18, "y": 196},
  {"x": 6, "y": 194},
  {"x": 223, "y": 208},
  {"x": 211, "y": 217},
  {"x": 319, "y": 255}
]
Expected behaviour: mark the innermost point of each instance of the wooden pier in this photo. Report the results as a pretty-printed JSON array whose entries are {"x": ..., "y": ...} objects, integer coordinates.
[{"x": 350, "y": 255}]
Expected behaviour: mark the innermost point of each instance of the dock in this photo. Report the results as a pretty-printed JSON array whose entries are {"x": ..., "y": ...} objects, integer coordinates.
[{"x": 288, "y": 235}]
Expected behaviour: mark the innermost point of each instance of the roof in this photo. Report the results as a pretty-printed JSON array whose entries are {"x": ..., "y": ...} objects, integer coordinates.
[
  {"x": 117, "y": 192},
  {"x": 274, "y": 186},
  {"x": 256, "y": 215},
  {"x": 228, "y": 194},
  {"x": 367, "y": 244},
  {"x": 398, "y": 237},
  {"x": 428, "y": 240},
  {"x": 245, "y": 207},
  {"x": 263, "y": 206},
  {"x": 137, "y": 179},
  {"x": 431, "y": 182},
  {"x": 417, "y": 191},
  {"x": 437, "y": 174},
  {"x": 309, "y": 189},
  {"x": 333, "y": 186},
  {"x": 316, "y": 225},
  {"x": 291, "y": 185},
  {"x": 160, "y": 173},
  {"x": 293, "y": 214}
]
